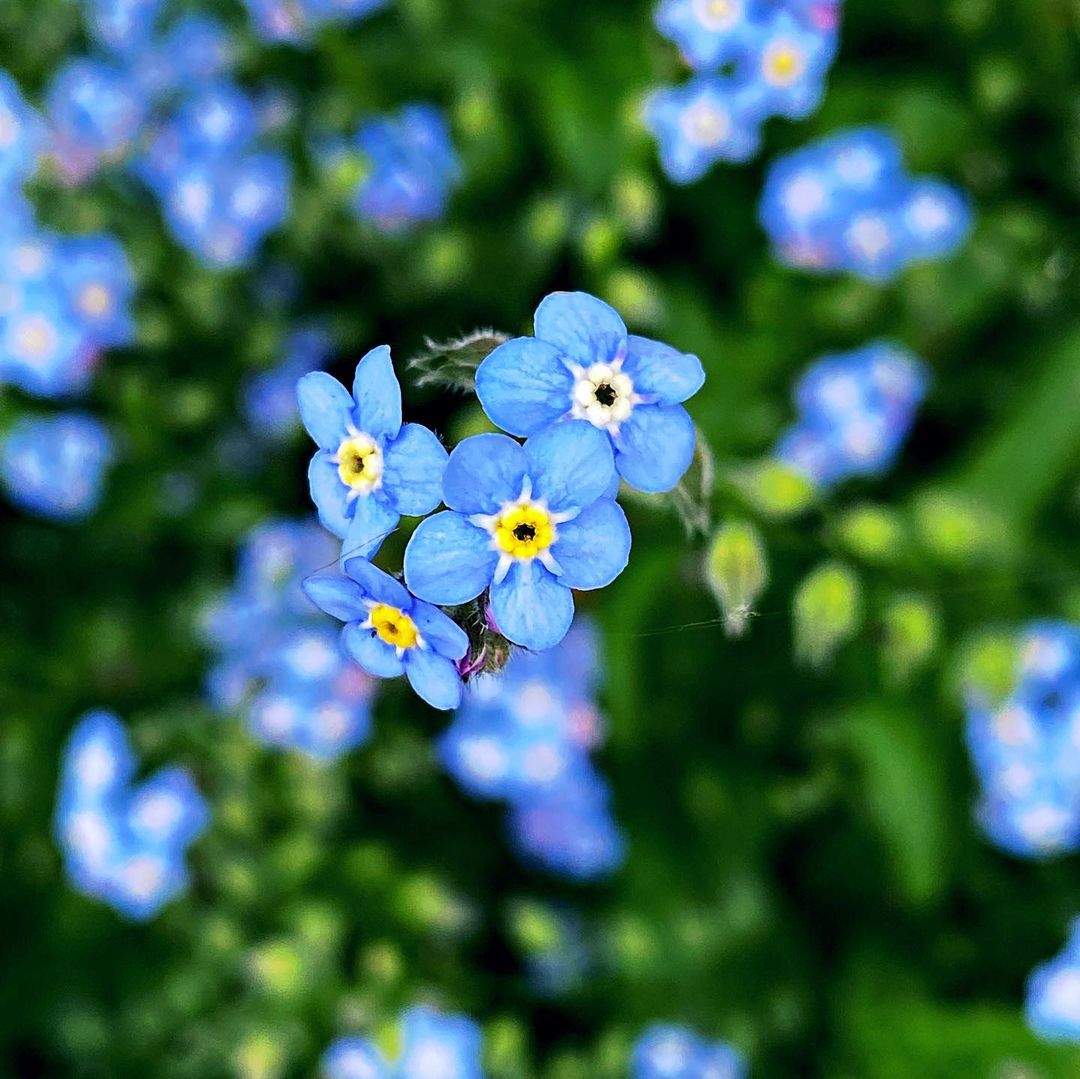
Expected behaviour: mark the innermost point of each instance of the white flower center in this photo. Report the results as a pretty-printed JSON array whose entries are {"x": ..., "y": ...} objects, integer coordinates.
[
  {"x": 603, "y": 395},
  {"x": 706, "y": 124},
  {"x": 805, "y": 196},
  {"x": 35, "y": 338},
  {"x": 718, "y": 14},
  {"x": 870, "y": 235}
]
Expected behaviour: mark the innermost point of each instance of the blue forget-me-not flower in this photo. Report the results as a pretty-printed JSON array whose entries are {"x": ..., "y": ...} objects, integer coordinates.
[
  {"x": 369, "y": 469},
  {"x": 846, "y": 203},
  {"x": 390, "y": 632},
  {"x": 665, "y": 1051},
  {"x": 1052, "y": 1000},
  {"x": 529, "y": 522},
  {"x": 54, "y": 467},
  {"x": 433, "y": 1046},
  {"x": 583, "y": 365},
  {"x": 855, "y": 411},
  {"x": 1026, "y": 750},
  {"x": 124, "y": 844}
]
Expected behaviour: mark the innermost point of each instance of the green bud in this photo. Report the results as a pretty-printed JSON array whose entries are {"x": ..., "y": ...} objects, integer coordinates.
[
  {"x": 277, "y": 968},
  {"x": 737, "y": 571},
  {"x": 827, "y": 613},
  {"x": 635, "y": 294},
  {"x": 381, "y": 963},
  {"x": 548, "y": 222},
  {"x": 872, "y": 533},
  {"x": 260, "y": 1056},
  {"x": 635, "y": 197},
  {"x": 912, "y": 626},
  {"x": 600, "y": 241},
  {"x": 774, "y": 489},
  {"x": 534, "y": 927},
  {"x": 987, "y": 667},
  {"x": 505, "y": 1049},
  {"x": 956, "y": 530}
]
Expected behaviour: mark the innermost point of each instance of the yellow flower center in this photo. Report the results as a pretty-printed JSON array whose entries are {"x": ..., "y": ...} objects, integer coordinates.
[
  {"x": 524, "y": 530},
  {"x": 783, "y": 64},
  {"x": 394, "y": 626},
  {"x": 717, "y": 14},
  {"x": 95, "y": 300},
  {"x": 360, "y": 463}
]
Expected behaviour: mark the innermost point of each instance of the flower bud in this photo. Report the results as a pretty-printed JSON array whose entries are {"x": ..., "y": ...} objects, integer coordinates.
[
  {"x": 827, "y": 613},
  {"x": 912, "y": 627},
  {"x": 774, "y": 489},
  {"x": 872, "y": 533},
  {"x": 737, "y": 571}
]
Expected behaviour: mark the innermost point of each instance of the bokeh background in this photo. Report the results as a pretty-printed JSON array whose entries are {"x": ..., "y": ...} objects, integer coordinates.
[{"x": 804, "y": 877}]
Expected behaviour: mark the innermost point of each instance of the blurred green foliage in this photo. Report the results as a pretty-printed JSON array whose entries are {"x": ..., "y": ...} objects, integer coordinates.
[{"x": 804, "y": 878}]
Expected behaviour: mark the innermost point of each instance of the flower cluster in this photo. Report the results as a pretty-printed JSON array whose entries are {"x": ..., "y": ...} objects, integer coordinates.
[
  {"x": 432, "y": 1044},
  {"x": 855, "y": 410},
  {"x": 158, "y": 100},
  {"x": 525, "y": 524},
  {"x": 279, "y": 660},
  {"x": 295, "y": 21},
  {"x": 54, "y": 467},
  {"x": 406, "y": 163},
  {"x": 672, "y": 1052},
  {"x": 845, "y": 203},
  {"x": 523, "y": 736},
  {"x": 1052, "y": 1004},
  {"x": 63, "y": 301},
  {"x": 753, "y": 59},
  {"x": 124, "y": 844},
  {"x": 1026, "y": 750}
]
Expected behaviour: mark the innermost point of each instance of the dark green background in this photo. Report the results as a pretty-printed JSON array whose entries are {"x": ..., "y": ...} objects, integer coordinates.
[{"x": 804, "y": 876}]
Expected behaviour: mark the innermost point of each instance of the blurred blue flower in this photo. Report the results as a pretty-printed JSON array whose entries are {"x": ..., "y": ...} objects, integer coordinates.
[
  {"x": 22, "y": 137},
  {"x": 279, "y": 660},
  {"x": 855, "y": 411},
  {"x": 96, "y": 111},
  {"x": 268, "y": 399},
  {"x": 531, "y": 522},
  {"x": 583, "y": 365},
  {"x": 709, "y": 33},
  {"x": 369, "y": 469},
  {"x": 122, "y": 844},
  {"x": 673, "y": 1052},
  {"x": 432, "y": 1045},
  {"x": 846, "y": 204},
  {"x": 755, "y": 59},
  {"x": 1052, "y": 1004},
  {"x": 294, "y": 21},
  {"x": 702, "y": 122},
  {"x": 100, "y": 285},
  {"x": 411, "y": 168},
  {"x": 55, "y": 467},
  {"x": 1026, "y": 750},
  {"x": 124, "y": 27},
  {"x": 389, "y": 632}
]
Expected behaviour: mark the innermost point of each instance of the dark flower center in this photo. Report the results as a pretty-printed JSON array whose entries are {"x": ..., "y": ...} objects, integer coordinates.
[
  {"x": 605, "y": 395},
  {"x": 524, "y": 532},
  {"x": 358, "y": 462}
]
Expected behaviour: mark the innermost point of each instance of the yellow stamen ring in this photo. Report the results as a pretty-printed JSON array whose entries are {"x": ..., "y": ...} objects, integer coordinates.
[
  {"x": 524, "y": 530},
  {"x": 360, "y": 463},
  {"x": 394, "y": 626}
]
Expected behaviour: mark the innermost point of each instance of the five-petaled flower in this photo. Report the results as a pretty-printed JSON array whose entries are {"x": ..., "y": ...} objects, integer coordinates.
[
  {"x": 389, "y": 632},
  {"x": 369, "y": 469},
  {"x": 583, "y": 365},
  {"x": 529, "y": 521}
]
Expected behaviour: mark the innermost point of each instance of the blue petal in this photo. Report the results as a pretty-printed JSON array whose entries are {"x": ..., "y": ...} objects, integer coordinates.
[
  {"x": 439, "y": 630},
  {"x": 378, "y": 395},
  {"x": 328, "y": 493},
  {"x": 662, "y": 372},
  {"x": 584, "y": 329},
  {"x": 338, "y": 596},
  {"x": 325, "y": 407},
  {"x": 593, "y": 549},
  {"x": 571, "y": 465},
  {"x": 483, "y": 472},
  {"x": 372, "y": 521},
  {"x": 434, "y": 678},
  {"x": 413, "y": 466},
  {"x": 377, "y": 585},
  {"x": 655, "y": 447},
  {"x": 524, "y": 386},
  {"x": 371, "y": 652},
  {"x": 449, "y": 560},
  {"x": 531, "y": 607}
]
